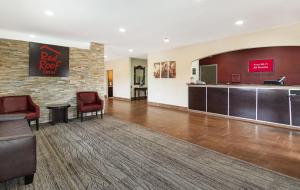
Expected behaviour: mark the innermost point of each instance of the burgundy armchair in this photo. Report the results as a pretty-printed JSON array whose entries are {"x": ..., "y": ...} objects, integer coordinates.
[
  {"x": 88, "y": 102},
  {"x": 20, "y": 105}
]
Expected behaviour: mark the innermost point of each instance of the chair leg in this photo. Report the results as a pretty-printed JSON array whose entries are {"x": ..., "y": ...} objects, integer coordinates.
[
  {"x": 81, "y": 116},
  {"x": 77, "y": 114},
  {"x": 37, "y": 124},
  {"x": 28, "y": 121},
  {"x": 101, "y": 114},
  {"x": 96, "y": 113},
  {"x": 29, "y": 179}
]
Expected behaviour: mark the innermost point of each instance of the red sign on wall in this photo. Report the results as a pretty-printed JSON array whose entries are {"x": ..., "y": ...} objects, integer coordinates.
[
  {"x": 48, "y": 60},
  {"x": 266, "y": 65}
]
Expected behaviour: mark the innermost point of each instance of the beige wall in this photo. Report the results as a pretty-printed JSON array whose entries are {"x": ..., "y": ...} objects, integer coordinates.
[
  {"x": 136, "y": 62},
  {"x": 121, "y": 77},
  {"x": 174, "y": 91},
  {"x": 86, "y": 73}
]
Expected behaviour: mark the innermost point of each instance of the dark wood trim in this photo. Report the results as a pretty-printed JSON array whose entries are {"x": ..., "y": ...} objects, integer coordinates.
[
  {"x": 217, "y": 100},
  {"x": 273, "y": 105},
  {"x": 139, "y": 98},
  {"x": 242, "y": 102},
  {"x": 122, "y": 99},
  {"x": 197, "y": 98}
]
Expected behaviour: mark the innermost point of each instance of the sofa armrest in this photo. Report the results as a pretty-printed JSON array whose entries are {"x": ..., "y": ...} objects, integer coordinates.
[
  {"x": 79, "y": 104},
  {"x": 17, "y": 156},
  {"x": 33, "y": 107},
  {"x": 99, "y": 100}
]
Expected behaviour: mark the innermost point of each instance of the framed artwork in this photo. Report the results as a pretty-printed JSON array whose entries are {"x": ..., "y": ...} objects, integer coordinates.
[
  {"x": 48, "y": 60},
  {"x": 156, "y": 70},
  {"x": 165, "y": 69},
  {"x": 172, "y": 69}
]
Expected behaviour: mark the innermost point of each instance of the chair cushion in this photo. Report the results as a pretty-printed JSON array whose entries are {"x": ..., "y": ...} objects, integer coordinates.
[
  {"x": 14, "y": 104},
  {"x": 91, "y": 107},
  {"x": 88, "y": 97},
  {"x": 29, "y": 114}
]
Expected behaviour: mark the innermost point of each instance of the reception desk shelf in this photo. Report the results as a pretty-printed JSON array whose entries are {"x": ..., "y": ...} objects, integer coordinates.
[{"x": 270, "y": 104}]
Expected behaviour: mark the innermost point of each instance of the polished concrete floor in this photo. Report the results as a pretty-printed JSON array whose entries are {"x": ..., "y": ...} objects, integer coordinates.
[{"x": 274, "y": 148}]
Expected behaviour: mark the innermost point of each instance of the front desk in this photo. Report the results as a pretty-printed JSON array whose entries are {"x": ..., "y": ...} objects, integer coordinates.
[{"x": 275, "y": 104}]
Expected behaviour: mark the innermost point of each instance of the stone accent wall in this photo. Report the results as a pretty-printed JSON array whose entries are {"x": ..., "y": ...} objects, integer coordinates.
[{"x": 86, "y": 74}]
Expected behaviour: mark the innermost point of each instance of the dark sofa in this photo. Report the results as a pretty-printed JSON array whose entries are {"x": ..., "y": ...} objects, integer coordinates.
[
  {"x": 20, "y": 105},
  {"x": 17, "y": 150}
]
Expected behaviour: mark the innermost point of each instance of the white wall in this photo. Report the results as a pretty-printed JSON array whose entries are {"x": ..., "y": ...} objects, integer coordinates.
[
  {"x": 121, "y": 77},
  {"x": 175, "y": 91}
]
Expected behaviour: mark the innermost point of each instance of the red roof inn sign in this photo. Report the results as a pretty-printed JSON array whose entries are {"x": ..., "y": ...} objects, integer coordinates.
[
  {"x": 48, "y": 60},
  {"x": 266, "y": 65}
]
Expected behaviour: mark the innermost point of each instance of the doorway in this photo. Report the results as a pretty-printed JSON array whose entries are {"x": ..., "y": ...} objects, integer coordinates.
[
  {"x": 209, "y": 74},
  {"x": 110, "y": 93}
]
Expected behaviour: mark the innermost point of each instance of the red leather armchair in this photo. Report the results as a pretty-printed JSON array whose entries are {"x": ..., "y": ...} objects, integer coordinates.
[
  {"x": 88, "y": 102},
  {"x": 20, "y": 105}
]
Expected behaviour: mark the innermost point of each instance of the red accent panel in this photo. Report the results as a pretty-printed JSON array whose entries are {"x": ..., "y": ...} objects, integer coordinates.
[
  {"x": 266, "y": 65},
  {"x": 286, "y": 62}
]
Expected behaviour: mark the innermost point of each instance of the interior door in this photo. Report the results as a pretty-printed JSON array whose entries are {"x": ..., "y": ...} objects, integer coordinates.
[
  {"x": 208, "y": 74},
  {"x": 110, "y": 83}
]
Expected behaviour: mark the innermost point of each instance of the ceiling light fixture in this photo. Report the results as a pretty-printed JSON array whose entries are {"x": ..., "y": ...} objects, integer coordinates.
[
  {"x": 32, "y": 36},
  {"x": 105, "y": 56},
  {"x": 166, "y": 40},
  {"x": 239, "y": 22},
  {"x": 49, "y": 13},
  {"x": 122, "y": 30},
  {"x": 130, "y": 50}
]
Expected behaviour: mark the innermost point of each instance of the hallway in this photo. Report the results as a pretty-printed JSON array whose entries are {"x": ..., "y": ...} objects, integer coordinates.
[{"x": 270, "y": 147}]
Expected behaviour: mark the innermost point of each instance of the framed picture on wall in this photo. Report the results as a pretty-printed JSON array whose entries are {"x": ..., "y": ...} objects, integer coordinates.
[
  {"x": 172, "y": 69},
  {"x": 165, "y": 69},
  {"x": 156, "y": 70}
]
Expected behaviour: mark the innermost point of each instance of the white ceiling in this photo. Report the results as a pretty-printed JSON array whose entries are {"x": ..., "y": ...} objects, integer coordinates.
[{"x": 147, "y": 22}]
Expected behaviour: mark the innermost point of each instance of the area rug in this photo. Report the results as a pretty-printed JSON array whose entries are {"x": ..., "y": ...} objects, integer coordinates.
[{"x": 112, "y": 154}]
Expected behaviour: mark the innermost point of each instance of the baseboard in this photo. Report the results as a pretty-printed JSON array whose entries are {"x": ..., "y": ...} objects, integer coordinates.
[
  {"x": 168, "y": 106},
  {"x": 139, "y": 98},
  {"x": 122, "y": 99}
]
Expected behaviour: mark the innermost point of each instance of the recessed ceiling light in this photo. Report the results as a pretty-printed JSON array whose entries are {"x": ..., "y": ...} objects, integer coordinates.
[
  {"x": 166, "y": 40},
  {"x": 49, "y": 13},
  {"x": 32, "y": 36},
  {"x": 130, "y": 50},
  {"x": 122, "y": 30},
  {"x": 239, "y": 22}
]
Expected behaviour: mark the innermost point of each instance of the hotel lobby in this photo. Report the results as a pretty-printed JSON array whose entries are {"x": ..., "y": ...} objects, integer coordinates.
[{"x": 174, "y": 94}]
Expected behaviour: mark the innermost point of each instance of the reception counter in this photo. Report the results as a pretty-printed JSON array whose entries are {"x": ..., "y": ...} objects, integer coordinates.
[{"x": 270, "y": 104}]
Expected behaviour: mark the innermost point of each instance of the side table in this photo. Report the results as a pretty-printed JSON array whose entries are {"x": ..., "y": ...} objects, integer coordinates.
[{"x": 59, "y": 113}]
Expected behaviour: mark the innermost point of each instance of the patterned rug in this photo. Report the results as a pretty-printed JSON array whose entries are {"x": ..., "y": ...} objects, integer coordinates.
[{"x": 112, "y": 154}]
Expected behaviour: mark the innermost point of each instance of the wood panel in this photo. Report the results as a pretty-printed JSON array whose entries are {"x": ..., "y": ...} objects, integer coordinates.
[
  {"x": 273, "y": 106},
  {"x": 242, "y": 103},
  {"x": 197, "y": 98},
  {"x": 295, "y": 109},
  {"x": 217, "y": 100}
]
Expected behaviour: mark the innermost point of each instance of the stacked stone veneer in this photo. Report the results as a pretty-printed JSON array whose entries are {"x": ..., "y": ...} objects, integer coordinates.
[{"x": 86, "y": 74}]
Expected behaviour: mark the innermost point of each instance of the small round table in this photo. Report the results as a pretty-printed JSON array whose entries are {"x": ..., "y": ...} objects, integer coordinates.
[{"x": 59, "y": 113}]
